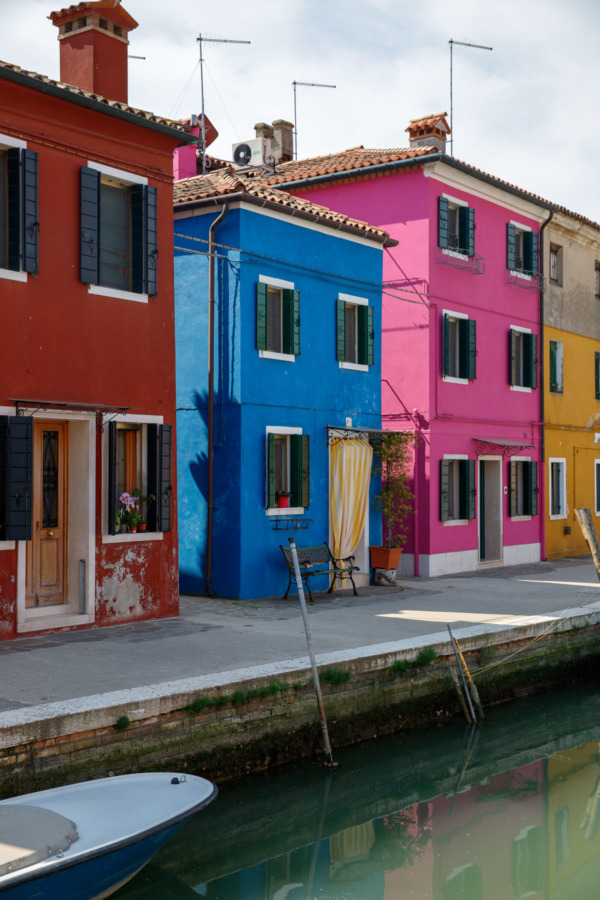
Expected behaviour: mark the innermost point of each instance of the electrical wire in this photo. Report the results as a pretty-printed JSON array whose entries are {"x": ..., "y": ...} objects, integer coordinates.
[{"x": 183, "y": 92}]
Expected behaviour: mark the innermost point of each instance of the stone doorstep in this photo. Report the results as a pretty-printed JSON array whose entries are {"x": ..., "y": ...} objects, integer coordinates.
[{"x": 52, "y": 720}]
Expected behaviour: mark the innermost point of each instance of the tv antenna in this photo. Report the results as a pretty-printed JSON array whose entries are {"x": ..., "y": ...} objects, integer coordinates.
[
  {"x": 303, "y": 84},
  {"x": 200, "y": 39},
  {"x": 459, "y": 44}
]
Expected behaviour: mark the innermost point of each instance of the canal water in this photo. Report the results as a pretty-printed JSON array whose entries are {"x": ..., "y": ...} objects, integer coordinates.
[{"x": 510, "y": 809}]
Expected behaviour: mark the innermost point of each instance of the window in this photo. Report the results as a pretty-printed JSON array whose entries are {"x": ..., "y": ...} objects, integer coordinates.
[
  {"x": 139, "y": 457},
  {"x": 527, "y": 861},
  {"x": 288, "y": 468},
  {"x": 521, "y": 250},
  {"x": 459, "y": 348},
  {"x": 556, "y": 264},
  {"x": 18, "y": 208},
  {"x": 355, "y": 332},
  {"x": 118, "y": 233},
  {"x": 597, "y": 280},
  {"x": 456, "y": 226},
  {"x": 277, "y": 319},
  {"x": 556, "y": 367},
  {"x": 597, "y": 373},
  {"x": 465, "y": 881},
  {"x": 523, "y": 498},
  {"x": 523, "y": 359},
  {"x": 558, "y": 500},
  {"x": 457, "y": 489}
]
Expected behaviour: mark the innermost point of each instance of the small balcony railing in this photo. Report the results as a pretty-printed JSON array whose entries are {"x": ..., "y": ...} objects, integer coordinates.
[{"x": 458, "y": 259}]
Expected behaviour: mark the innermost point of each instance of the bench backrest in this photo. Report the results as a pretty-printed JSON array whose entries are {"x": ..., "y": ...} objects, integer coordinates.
[{"x": 308, "y": 556}]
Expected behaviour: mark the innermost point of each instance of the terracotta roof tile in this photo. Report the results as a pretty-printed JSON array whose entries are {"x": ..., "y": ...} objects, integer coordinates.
[{"x": 227, "y": 181}]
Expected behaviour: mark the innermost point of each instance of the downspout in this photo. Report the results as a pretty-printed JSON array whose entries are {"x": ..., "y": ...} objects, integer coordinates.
[
  {"x": 417, "y": 421},
  {"x": 211, "y": 396},
  {"x": 542, "y": 493}
]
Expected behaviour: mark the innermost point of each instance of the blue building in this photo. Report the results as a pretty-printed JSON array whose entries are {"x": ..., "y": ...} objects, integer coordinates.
[{"x": 293, "y": 372}]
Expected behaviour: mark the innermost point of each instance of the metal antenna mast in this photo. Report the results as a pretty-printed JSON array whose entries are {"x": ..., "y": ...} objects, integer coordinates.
[
  {"x": 460, "y": 44},
  {"x": 303, "y": 84},
  {"x": 203, "y": 126}
]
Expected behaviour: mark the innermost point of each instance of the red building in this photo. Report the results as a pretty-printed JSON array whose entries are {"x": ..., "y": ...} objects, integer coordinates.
[{"x": 87, "y": 385}]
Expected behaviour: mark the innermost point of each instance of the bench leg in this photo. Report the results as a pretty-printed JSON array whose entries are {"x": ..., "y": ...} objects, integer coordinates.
[
  {"x": 307, "y": 583},
  {"x": 333, "y": 577},
  {"x": 353, "y": 585},
  {"x": 288, "y": 588}
]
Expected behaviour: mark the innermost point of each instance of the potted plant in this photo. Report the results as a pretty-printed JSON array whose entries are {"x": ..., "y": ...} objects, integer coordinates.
[
  {"x": 392, "y": 456},
  {"x": 144, "y": 503},
  {"x": 132, "y": 514},
  {"x": 283, "y": 498}
]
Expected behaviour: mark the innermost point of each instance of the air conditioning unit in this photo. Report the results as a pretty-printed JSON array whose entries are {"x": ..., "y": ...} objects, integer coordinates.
[{"x": 252, "y": 153}]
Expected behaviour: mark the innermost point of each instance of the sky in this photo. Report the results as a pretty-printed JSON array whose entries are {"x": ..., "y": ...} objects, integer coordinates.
[{"x": 523, "y": 112}]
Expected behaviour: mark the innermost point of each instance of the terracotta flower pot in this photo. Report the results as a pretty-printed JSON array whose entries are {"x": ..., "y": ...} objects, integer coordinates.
[
  {"x": 142, "y": 526},
  {"x": 283, "y": 502},
  {"x": 385, "y": 557}
]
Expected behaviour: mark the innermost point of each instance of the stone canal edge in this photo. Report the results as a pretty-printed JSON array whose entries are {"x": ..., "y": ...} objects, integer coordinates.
[{"x": 249, "y": 719}]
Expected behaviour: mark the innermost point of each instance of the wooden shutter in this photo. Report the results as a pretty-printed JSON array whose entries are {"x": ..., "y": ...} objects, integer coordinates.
[
  {"x": 16, "y": 477},
  {"x": 112, "y": 487},
  {"x": 444, "y": 489},
  {"x": 29, "y": 173},
  {"x": 532, "y": 487},
  {"x": 530, "y": 354},
  {"x": 466, "y": 230},
  {"x": 530, "y": 252},
  {"x": 553, "y": 368},
  {"x": 151, "y": 216},
  {"x": 90, "y": 225},
  {"x": 340, "y": 330},
  {"x": 597, "y": 373},
  {"x": 159, "y": 476},
  {"x": 290, "y": 301},
  {"x": 271, "y": 499},
  {"x": 443, "y": 223},
  {"x": 513, "y": 351},
  {"x": 446, "y": 345},
  {"x": 366, "y": 335},
  {"x": 261, "y": 316},
  {"x": 512, "y": 498},
  {"x": 14, "y": 208},
  {"x": 467, "y": 488},
  {"x": 138, "y": 239},
  {"x": 300, "y": 470},
  {"x": 467, "y": 348},
  {"x": 511, "y": 248}
]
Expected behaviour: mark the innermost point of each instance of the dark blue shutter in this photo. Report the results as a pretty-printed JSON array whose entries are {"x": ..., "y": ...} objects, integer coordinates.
[
  {"x": 151, "y": 206},
  {"x": 511, "y": 246},
  {"x": 159, "y": 476},
  {"x": 16, "y": 477},
  {"x": 444, "y": 489},
  {"x": 138, "y": 239},
  {"x": 443, "y": 222},
  {"x": 261, "y": 316},
  {"x": 113, "y": 500},
  {"x": 90, "y": 225},
  {"x": 30, "y": 218},
  {"x": 14, "y": 208}
]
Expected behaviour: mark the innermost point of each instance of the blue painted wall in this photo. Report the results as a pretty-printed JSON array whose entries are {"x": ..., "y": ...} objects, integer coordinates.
[{"x": 252, "y": 393}]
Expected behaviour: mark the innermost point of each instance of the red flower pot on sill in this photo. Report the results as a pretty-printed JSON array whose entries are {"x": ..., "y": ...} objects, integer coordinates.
[{"x": 283, "y": 499}]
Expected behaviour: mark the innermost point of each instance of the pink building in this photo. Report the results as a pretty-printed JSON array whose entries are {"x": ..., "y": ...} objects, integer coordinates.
[{"x": 460, "y": 339}]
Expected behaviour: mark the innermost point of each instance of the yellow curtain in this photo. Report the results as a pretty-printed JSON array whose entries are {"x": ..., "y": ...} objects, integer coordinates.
[{"x": 350, "y": 474}]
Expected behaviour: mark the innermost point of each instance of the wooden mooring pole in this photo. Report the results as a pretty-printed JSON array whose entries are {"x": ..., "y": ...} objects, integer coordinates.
[{"x": 586, "y": 523}]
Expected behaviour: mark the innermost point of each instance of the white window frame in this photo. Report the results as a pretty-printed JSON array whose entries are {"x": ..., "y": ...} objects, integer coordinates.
[
  {"x": 563, "y": 498},
  {"x": 126, "y": 179},
  {"x": 454, "y": 379},
  {"x": 287, "y": 510},
  {"x": 518, "y": 273},
  {"x": 456, "y": 456},
  {"x": 284, "y": 286},
  {"x": 7, "y": 142},
  {"x": 455, "y": 202},
  {"x": 352, "y": 300},
  {"x": 556, "y": 254},
  {"x": 559, "y": 366},
  {"x": 523, "y": 389}
]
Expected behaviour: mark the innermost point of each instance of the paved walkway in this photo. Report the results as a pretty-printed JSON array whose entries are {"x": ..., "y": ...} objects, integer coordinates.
[{"x": 221, "y": 641}]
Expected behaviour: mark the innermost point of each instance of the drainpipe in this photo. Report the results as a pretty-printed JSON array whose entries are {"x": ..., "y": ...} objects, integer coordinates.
[
  {"x": 211, "y": 396},
  {"x": 542, "y": 493},
  {"x": 416, "y": 492}
]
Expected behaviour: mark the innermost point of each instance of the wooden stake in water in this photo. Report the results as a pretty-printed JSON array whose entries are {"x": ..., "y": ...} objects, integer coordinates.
[
  {"x": 311, "y": 654},
  {"x": 474, "y": 691},
  {"x": 586, "y": 523},
  {"x": 462, "y": 675}
]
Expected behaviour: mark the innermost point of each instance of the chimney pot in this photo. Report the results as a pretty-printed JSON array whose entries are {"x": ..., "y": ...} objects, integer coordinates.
[{"x": 429, "y": 131}]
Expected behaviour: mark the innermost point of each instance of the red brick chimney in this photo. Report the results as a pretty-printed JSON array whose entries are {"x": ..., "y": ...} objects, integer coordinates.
[
  {"x": 93, "y": 39},
  {"x": 429, "y": 131}
]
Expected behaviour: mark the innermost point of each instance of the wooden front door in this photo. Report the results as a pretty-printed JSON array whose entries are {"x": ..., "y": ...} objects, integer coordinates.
[{"x": 46, "y": 552}]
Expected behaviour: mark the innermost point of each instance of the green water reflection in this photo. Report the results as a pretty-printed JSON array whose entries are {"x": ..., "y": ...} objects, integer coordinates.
[{"x": 510, "y": 810}]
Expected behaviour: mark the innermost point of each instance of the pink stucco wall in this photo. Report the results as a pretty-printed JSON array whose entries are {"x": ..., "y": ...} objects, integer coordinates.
[{"x": 417, "y": 291}]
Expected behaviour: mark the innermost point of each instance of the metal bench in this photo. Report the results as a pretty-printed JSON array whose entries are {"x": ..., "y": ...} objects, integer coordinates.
[{"x": 318, "y": 560}]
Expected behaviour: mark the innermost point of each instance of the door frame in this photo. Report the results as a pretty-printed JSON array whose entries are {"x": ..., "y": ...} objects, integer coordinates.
[
  {"x": 361, "y": 554},
  {"x": 480, "y": 519}
]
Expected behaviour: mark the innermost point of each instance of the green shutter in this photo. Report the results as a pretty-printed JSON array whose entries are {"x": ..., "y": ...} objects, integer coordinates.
[
  {"x": 366, "y": 335},
  {"x": 16, "y": 475},
  {"x": 530, "y": 350},
  {"x": 444, "y": 489},
  {"x": 271, "y": 502},
  {"x": 467, "y": 348},
  {"x": 553, "y": 369},
  {"x": 532, "y": 487},
  {"x": 442, "y": 222},
  {"x": 13, "y": 208},
  {"x": 113, "y": 500},
  {"x": 291, "y": 321},
  {"x": 340, "y": 330},
  {"x": 261, "y": 316},
  {"x": 30, "y": 210},
  {"x": 445, "y": 345},
  {"x": 530, "y": 252},
  {"x": 467, "y": 488},
  {"x": 512, "y": 497},
  {"x": 511, "y": 248},
  {"x": 466, "y": 230},
  {"x": 513, "y": 349},
  {"x": 159, "y": 465},
  {"x": 597, "y": 371},
  {"x": 300, "y": 470}
]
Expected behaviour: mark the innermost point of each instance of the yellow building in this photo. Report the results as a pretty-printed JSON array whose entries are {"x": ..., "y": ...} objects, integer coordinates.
[{"x": 571, "y": 379}]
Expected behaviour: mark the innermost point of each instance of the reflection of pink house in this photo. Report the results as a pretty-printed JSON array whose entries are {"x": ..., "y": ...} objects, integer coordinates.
[{"x": 460, "y": 338}]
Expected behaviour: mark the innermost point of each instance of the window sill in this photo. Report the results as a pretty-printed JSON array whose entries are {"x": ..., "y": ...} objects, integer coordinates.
[
  {"x": 557, "y": 516},
  {"x": 271, "y": 354},
  {"x": 456, "y": 522},
  {"x": 7, "y": 545},
  {"x": 355, "y": 367},
  {"x": 285, "y": 511},
  {"x": 520, "y": 274},
  {"x": 521, "y": 518},
  {"x": 11, "y": 275},
  {"x": 521, "y": 388},
  {"x": 100, "y": 291},
  {"x": 452, "y": 379},
  {"x": 456, "y": 254},
  {"x": 142, "y": 536}
]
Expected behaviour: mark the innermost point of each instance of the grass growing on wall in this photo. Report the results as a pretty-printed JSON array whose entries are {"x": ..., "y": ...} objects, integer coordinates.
[{"x": 423, "y": 658}]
